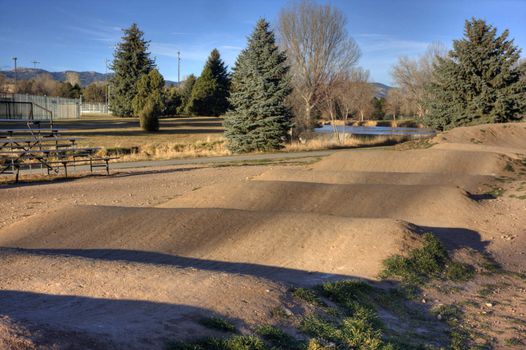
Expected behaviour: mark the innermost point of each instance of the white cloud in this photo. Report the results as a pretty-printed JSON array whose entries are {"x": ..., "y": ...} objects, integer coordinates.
[
  {"x": 100, "y": 32},
  {"x": 382, "y": 43}
]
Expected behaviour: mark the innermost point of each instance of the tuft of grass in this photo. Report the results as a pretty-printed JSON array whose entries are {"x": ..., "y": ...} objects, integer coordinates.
[
  {"x": 350, "y": 294},
  {"x": 315, "y": 326},
  {"x": 488, "y": 289},
  {"x": 496, "y": 192},
  {"x": 307, "y": 295},
  {"x": 217, "y": 323},
  {"x": 425, "y": 263},
  {"x": 421, "y": 265},
  {"x": 357, "y": 327},
  {"x": 459, "y": 272},
  {"x": 489, "y": 264},
  {"x": 279, "y": 339},
  {"x": 452, "y": 315},
  {"x": 279, "y": 313},
  {"x": 359, "y": 331},
  {"x": 242, "y": 343},
  {"x": 237, "y": 342}
]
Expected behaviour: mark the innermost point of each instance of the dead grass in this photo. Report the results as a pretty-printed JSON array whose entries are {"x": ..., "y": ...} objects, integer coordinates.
[
  {"x": 349, "y": 142},
  {"x": 212, "y": 147},
  {"x": 410, "y": 123},
  {"x": 170, "y": 150}
]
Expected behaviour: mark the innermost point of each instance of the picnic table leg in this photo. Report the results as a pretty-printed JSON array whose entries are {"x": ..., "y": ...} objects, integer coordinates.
[
  {"x": 65, "y": 169},
  {"x": 107, "y": 167}
]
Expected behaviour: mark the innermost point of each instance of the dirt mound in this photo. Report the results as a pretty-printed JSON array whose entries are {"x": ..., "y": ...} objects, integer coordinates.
[
  {"x": 65, "y": 300},
  {"x": 416, "y": 204},
  {"x": 416, "y": 161},
  {"x": 279, "y": 245},
  {"x": 505, "y": 138},
  {"x": 472, "y": 183}
]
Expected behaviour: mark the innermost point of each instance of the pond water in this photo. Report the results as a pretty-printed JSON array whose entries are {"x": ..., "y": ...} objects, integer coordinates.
[{"x": 378, "y": 130}]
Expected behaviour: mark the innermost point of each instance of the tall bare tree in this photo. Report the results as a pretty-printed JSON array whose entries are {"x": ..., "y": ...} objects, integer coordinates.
[
  {"x": 358, "y": 94},
  {"x": 412, "y": 76},
  {"x": 3, "y": 83},
  {"x": 318, "y": 49},
  {"x": 394, "y": 102}
]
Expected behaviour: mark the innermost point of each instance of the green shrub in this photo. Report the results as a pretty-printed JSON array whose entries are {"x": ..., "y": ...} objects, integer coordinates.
[{"x": 149, "y": 117}]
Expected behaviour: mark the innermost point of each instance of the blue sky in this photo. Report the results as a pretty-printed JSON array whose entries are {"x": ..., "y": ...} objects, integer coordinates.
[{"x": 80, "y": 35}]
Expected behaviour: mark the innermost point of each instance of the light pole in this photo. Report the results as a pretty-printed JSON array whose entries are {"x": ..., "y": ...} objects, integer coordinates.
[
  {"x": 14, "y": 59},
  {"x": 178, "y": 67}
]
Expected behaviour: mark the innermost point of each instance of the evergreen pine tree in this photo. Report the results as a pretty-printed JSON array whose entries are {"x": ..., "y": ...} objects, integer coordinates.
[
  {"x": 478, "y": 82},
  {"x": 186, "y": 94},
  {"x": 148, "y": 103},
  {"x": 172, "y": 100},
  {"x": 131, "y": 60},
  {"x": 211, "y": 90},
  {"x": 259, "y": 118}
]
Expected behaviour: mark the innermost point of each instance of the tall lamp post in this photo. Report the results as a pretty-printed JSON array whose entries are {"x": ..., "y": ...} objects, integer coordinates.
[{"x": 178, "y": 67}]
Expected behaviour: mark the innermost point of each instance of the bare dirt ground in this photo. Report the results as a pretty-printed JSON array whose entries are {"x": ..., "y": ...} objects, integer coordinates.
[{"x": 136, "y": 259}]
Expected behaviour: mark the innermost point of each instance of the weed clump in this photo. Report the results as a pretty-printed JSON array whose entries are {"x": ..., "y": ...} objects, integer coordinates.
[
  {"x": 359, "y": 331},
  {"x": 279, "y": 339},
  {"x": 360, "y": 328},
  {"x": 307, "y": 295},
  {"x": 423, "y": 264}
]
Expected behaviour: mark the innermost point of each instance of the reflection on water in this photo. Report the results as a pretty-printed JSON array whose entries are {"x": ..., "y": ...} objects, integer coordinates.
[{"x": 377, "y": 130}]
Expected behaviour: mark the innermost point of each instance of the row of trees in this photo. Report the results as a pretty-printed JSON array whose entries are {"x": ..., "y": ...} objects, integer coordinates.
[
  {"x": 138, "y": 89},
  {"x": 313, "y": 72},
  {"x": 321, "y": 71}
]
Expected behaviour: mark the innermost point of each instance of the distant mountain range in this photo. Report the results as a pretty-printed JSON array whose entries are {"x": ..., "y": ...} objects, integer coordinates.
[{"x": 87, "y": 78}]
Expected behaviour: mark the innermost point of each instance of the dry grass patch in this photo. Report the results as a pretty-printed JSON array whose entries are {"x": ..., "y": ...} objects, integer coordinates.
[{"x": 323, "y": 143}]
